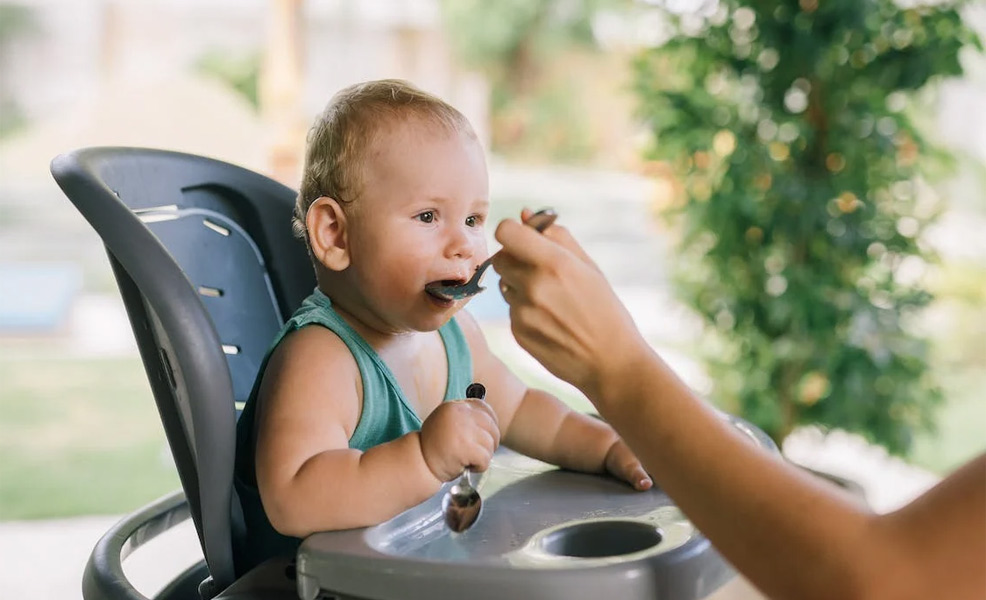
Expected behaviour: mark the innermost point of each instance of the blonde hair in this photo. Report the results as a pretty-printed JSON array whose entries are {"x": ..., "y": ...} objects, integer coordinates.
[{"x": 340, "y": 136}]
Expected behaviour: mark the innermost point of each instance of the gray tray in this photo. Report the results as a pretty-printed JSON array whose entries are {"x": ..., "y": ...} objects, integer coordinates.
[{"x": 543, "y": 533}]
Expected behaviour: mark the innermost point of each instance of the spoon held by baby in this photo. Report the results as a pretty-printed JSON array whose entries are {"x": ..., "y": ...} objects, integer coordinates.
[{"x": 462, "y": 503}]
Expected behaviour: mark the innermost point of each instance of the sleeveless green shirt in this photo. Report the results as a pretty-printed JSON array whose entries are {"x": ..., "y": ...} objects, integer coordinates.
[{"x": 385, "y": 416}]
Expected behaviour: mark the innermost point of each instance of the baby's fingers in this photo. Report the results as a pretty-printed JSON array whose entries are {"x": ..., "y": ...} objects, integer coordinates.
[
  {"x": 623, "y": 464},
  {"x": 639, "y": 478},
  {"x": 486, "y": 419},
  {"x": 477, "y": 453}
]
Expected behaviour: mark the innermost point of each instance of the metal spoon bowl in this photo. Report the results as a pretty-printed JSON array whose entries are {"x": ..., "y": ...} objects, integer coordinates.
[
  {"x": 462, "y": 504},
  {"x": 540, "y": 220}
]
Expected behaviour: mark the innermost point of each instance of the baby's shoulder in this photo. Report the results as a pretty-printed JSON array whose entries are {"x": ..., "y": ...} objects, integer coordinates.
[
  {"x": 311, "y": 372},
  {"x": 313, "y": 351}
]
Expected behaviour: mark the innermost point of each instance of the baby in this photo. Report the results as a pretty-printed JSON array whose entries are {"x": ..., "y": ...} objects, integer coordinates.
[{"x": 357, "y": 413}]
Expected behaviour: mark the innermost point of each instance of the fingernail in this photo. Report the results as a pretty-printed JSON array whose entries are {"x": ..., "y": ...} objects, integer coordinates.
[{"x": 476, "y": 390}]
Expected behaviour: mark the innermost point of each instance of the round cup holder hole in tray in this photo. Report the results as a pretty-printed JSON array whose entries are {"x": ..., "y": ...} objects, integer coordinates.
[{"x": 599, "y": 539}]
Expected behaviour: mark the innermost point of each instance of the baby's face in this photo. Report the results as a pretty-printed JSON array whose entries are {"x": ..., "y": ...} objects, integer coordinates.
[{"x": 420, "y": 220}]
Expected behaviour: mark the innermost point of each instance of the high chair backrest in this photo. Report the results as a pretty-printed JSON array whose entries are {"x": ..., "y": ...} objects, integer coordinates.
[{"x": 208, "y": 269}]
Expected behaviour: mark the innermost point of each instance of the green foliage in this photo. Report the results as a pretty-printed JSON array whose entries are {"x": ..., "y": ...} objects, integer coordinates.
[
  {"x": 514, "y": 43},
  {"x": 16, "y": 20},
  {"x": 511, "y": 34},
  {"x": 241, "y": 72},
  {"x": 790, "y": 125}
]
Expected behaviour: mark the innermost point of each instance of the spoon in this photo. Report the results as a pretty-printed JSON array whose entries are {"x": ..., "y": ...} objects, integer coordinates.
[
  {"x": 540, "y": 220},
  {"x": 462, "y": 504}
]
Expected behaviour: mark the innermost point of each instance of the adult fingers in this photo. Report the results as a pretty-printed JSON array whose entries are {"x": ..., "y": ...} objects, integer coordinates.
[
  {"x": 518, "y": 272},
  {"x": 513, "y": 288},
  {"x": 512, "y": 269},
  {"x": 565, "y": 239},
  {"x": 526, "y": 244},
  {"x": 561, "y": 235}
]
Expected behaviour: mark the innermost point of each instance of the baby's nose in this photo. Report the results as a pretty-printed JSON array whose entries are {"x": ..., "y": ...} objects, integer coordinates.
[{"x": 460, "y": 245}]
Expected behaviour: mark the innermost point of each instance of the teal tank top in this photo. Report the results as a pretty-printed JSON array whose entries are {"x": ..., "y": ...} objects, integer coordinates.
[{"x": 386, "y": 416}]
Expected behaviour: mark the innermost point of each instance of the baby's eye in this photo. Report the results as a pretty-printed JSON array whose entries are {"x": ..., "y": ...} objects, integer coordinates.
[
  {"x": 473, "y": 221},
  {"x": 426, "y": 217}
]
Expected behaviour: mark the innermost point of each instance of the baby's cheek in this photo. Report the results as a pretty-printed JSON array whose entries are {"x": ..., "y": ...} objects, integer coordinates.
[{"x": 407, "y": 275}]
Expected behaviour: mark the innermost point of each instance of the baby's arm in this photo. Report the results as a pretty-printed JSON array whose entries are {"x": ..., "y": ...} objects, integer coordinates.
[
  {"x": 309, "y": 479},
  {"x": 540, "y": 425}
]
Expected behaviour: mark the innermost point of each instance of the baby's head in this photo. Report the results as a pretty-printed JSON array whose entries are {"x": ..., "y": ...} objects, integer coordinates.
[
  {"x": 341, "y": 138},
  {"x": 393, "y": 197}
]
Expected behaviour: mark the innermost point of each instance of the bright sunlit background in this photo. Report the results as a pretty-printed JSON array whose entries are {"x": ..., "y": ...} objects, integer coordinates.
[{"x": 549, "y": 86}]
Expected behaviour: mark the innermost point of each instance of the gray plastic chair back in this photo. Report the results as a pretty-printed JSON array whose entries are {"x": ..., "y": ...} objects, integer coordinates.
[{"x": 207, "y": 267}]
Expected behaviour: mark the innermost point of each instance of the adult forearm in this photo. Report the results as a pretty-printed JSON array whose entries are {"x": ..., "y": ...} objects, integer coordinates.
[
  {"x": 729, "y": 489},
  {"x": 341, "y": 489}
]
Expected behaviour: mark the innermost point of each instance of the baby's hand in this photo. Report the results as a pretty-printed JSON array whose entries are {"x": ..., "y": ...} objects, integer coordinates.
[
  {"x": 623, "y": 464},
  {"x": 459, "y": 434}
]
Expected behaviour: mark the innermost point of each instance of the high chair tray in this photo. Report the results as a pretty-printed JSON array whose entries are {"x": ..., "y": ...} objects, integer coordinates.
[{"x": 543, "y": 533}]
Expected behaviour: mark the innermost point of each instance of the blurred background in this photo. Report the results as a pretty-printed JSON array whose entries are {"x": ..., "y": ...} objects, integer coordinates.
[{"x": 789, "y": 196}]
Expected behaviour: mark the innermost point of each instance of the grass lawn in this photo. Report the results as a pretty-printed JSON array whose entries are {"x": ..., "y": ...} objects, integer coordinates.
[{"x": 79, "y": 437}]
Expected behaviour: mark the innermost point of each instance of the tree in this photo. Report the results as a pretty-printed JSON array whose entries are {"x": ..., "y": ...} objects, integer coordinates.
[
  {"x": 791, "y": 128},
  {"x": 535, "y": 110}
]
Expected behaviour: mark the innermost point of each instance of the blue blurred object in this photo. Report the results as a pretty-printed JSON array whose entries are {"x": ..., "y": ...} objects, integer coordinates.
[{"x": 37, "y": 297}]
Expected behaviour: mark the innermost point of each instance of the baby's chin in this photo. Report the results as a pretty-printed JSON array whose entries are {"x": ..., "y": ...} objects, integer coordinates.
[
  {"x": 431, "y": 325},
  {"x": 421, "y": 315}
]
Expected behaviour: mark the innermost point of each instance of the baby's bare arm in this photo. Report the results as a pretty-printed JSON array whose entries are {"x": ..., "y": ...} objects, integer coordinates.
[
  {"x": 539, "y": 425},
  {"x": 309, "y": 479}
]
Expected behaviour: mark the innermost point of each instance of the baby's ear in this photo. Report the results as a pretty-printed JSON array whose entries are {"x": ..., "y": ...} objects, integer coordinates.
[{"x": 328, "y": 234}]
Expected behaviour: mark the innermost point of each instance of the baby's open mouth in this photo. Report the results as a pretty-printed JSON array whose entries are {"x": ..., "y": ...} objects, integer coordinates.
[{"x": 435, "y": 288}]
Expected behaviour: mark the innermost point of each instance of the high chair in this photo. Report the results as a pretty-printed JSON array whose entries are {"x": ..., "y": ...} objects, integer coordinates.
[{"x": 208, "y": 270}]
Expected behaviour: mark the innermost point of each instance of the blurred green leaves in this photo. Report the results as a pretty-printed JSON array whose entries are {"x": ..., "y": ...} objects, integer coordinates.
[
  {"x": 789, "y": 129},
  {"x": 16, "y": 20},
  {"x": 519, "y": 46},
  {"x": 511, "y": 36},
  {"x": 239, "y": 71}
]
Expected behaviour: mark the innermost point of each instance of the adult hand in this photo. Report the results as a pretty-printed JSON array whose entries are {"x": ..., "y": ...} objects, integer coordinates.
[
  {"x": 562, "y": 309},
  {"x": 459, "y": 434}
]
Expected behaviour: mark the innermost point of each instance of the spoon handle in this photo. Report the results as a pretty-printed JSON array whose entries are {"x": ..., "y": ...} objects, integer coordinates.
[
  {"x": 476, "y": 390},
  {"x": 542, "y": 219}
]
